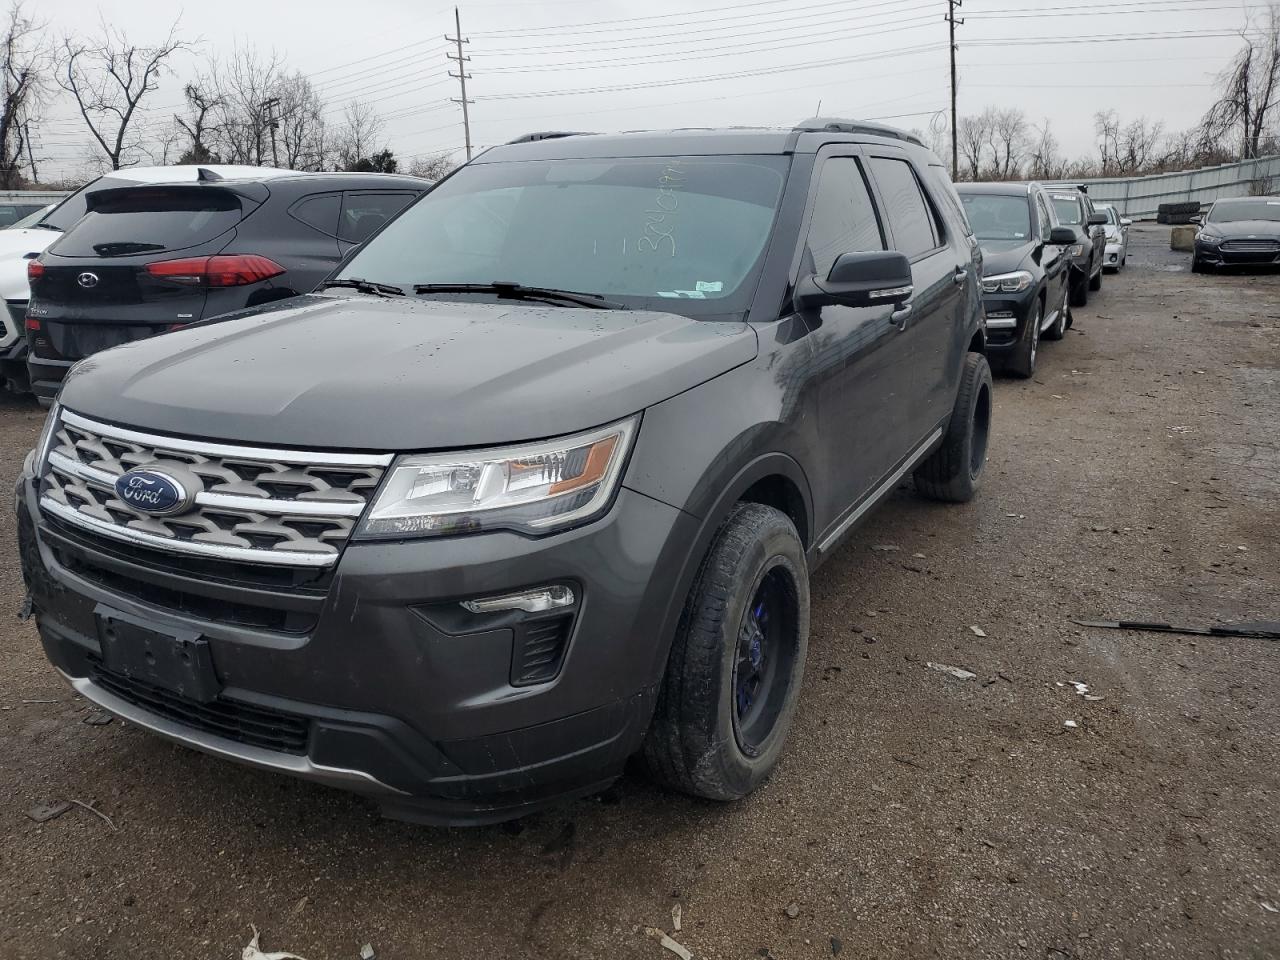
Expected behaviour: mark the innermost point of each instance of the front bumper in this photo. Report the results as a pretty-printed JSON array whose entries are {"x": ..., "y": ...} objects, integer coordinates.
[
  {"x": 1114, "y": 256},
  {"x": 1007, "y": 315},
  {"x": 1215, "y": 254},
  {"x": 376, "y": 679}
]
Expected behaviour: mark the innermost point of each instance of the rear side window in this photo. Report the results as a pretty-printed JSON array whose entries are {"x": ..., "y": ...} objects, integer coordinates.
[
  {"x": 912, "y": 223},
  {"x": 844, "y": 217},
  {"x": 319, "y": 212},
  {"x": 363, "y": 214},
  {"x": 145, "y": 220}
]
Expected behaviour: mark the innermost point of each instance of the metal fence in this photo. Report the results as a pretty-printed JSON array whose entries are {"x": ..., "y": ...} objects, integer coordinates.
[{"x": 1138, "y": 197}]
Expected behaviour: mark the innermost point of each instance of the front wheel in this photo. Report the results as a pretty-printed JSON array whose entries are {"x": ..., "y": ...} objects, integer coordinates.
[
  {"x": 1022, "y": 361},
  {"x": 953, "y": 471},
  {"x": 1095, "y": 282},
  {"x": 1058, "y": 329},
  {"x": 733, "y": 675}
]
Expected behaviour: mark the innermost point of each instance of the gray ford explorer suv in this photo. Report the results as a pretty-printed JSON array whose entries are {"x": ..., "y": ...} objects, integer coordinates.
[{"x": 534, "y": 483}]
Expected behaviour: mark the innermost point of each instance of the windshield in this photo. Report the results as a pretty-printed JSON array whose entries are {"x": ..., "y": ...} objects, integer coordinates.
[
  {"x": 1067, "y": 210},
  {"x": 665, "y": 233},
  {"x": 1229, "y": 211},
  {"x": 997, "y": 217}
]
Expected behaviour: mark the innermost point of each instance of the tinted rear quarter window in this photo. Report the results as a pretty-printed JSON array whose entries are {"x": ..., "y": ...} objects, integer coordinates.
[
  {"x": 150, "y": 220},
  {"x": 319, "y": 212},
  {"x": 363, "y": 214},
  {"x": 844, "y": 217},
  {"x": 910, "y": 220}
]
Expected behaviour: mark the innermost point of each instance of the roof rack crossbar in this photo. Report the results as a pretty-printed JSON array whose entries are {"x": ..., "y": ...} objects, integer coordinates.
[
  {"x": 841, "y": 125},
  {"x": 549, "y": 135}
]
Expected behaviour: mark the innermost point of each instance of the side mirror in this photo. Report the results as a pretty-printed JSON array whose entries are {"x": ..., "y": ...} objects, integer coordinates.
[
  {"x": 859, "y": 280},
  {"x": 1126, "y": 222},
  {"x": 1097, "y": 219},
  {"x": 1198, "y": 218},
  {"x": 1062, "y": 236}
]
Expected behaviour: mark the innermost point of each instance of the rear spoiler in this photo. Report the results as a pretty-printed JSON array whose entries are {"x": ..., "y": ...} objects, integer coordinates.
[{"x": 253, "y": 191}]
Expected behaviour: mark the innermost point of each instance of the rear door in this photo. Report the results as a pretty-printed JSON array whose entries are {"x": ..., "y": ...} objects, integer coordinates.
[
  {"x": 96, "y": 292},
  {"x": 940, "y": 267},
  {"x": 861, "y": 360}
]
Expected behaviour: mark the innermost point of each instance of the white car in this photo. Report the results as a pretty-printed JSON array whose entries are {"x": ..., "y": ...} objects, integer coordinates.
[
  {"x": 18, "y": 246},
  {"x": 1117, "y": 231}
]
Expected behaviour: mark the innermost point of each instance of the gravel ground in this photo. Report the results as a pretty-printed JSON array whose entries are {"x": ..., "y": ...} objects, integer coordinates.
[{"x": 914, "y": 815}]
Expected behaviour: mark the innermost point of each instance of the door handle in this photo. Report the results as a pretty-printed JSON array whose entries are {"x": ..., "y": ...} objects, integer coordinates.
[
  {"x": 900, "y": 316},
  {"x": 960, "y": 276}
]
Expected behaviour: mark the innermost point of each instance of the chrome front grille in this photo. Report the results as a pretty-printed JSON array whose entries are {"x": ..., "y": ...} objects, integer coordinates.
[
  {"x": 255, "y": 505},
  {"x": 1251, "y": 246}
]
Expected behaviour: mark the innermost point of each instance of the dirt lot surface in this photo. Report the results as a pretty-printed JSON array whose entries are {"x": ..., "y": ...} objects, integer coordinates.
[{"x": 914, "y": 815}]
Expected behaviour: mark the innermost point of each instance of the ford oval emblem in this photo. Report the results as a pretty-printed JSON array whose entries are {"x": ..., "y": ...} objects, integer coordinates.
[
  {"x": 87, "y": 280},
  {"x": 152, "y": 492}
]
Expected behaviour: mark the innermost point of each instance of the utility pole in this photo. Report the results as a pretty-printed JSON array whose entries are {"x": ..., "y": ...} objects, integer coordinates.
[
  {"x": 953, "y": 22},
  {"x": 269, "y": 108},
  {"x": 461, "y": 76}
]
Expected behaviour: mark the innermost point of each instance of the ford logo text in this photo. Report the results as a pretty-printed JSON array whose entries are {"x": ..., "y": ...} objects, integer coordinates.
[{"x": 150, "y": 491}]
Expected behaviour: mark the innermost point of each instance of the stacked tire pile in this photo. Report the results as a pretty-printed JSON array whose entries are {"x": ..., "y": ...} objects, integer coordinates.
[{"x": 1177, "y": 212}]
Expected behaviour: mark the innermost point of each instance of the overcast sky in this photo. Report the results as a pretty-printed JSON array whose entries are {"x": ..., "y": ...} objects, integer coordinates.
[{"x": 540, "y": 64}]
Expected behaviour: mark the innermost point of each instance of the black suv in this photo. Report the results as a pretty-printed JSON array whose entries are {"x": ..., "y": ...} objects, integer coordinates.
[
  {"x": 151, "y": 258},
  {"x": 613, "y": 399},
  {"x": 1026, "y": 270},
  {"x": 1073, "y": 208}
]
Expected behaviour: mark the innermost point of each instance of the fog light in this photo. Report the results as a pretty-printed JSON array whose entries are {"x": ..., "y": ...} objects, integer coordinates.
[{"x": 530, "y": 601}]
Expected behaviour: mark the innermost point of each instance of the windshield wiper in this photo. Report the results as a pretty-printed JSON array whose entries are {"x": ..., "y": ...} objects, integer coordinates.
[
  {"x": 364, "y": 286},
  {"x": 518, "y": 291},
  {"x": 45, "y": 226}
]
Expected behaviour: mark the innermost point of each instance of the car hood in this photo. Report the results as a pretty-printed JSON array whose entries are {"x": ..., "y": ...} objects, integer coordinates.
[
  {"x": 14, "y": 247},
  {"x": 1004, "y": 256},
  {"x": 356, "y": 372},
  {"x": 1237, "y": 229}
]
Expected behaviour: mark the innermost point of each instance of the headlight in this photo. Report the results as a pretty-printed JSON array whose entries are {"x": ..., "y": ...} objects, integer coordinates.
[
  {"x": 1076, "y": 250},
  {"x": 45, "y": 443},
  {"x": 1007, "y": 282},
  {"x": 1210, "y": 238},
  {"x": 532, "y": 487}
]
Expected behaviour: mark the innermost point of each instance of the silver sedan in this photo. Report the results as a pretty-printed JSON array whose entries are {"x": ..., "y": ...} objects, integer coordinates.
[{"x": 1117, "y": 230}]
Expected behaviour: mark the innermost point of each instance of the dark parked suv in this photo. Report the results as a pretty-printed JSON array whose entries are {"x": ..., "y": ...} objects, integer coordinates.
[
  {"x": 1026, "y": 270},
  {"x": 613, "y": 399},
  {"x": 1073, "y": 208},
  {"x": 151, "y": 258}
]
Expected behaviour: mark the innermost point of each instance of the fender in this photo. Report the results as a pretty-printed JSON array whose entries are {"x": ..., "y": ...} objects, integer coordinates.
[{"x": 734, "y": 485}]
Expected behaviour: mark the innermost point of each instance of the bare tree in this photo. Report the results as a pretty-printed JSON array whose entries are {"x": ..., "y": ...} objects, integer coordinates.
[
  {"x": 1044, "y": 163},
  {"x": 241, "y": 86},
  {"x": 202, "y": 102},
  {"x": 304, "y": 136},
  {"x": 1250, "y": 87},
  {"x": 361, "y": 135},
  {"x": 109, "y": 77},
  {"x": 973, "y": 136},
  {"x": 24, "y": 64},
  {"x": 435, "y": 167},
  {"x": 1009, "y": 141}
]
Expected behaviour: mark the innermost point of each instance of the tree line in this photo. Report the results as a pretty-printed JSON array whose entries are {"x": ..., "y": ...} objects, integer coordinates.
[{"x": 245, "y": 107}]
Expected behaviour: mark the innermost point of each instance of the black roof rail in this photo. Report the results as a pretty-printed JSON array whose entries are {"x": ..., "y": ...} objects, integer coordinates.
[
  {"x": 840, "y": 125},
  {"x": 549, "y": 135}
]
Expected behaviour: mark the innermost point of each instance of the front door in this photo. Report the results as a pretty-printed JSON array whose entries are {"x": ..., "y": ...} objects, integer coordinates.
[{"x": 861, "y": 357}]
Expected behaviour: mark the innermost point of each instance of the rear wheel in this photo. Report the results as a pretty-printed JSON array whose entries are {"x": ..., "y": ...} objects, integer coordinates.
[
  {"x": 733, "y": 676},
  {"x": 953, "y": 471}
]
